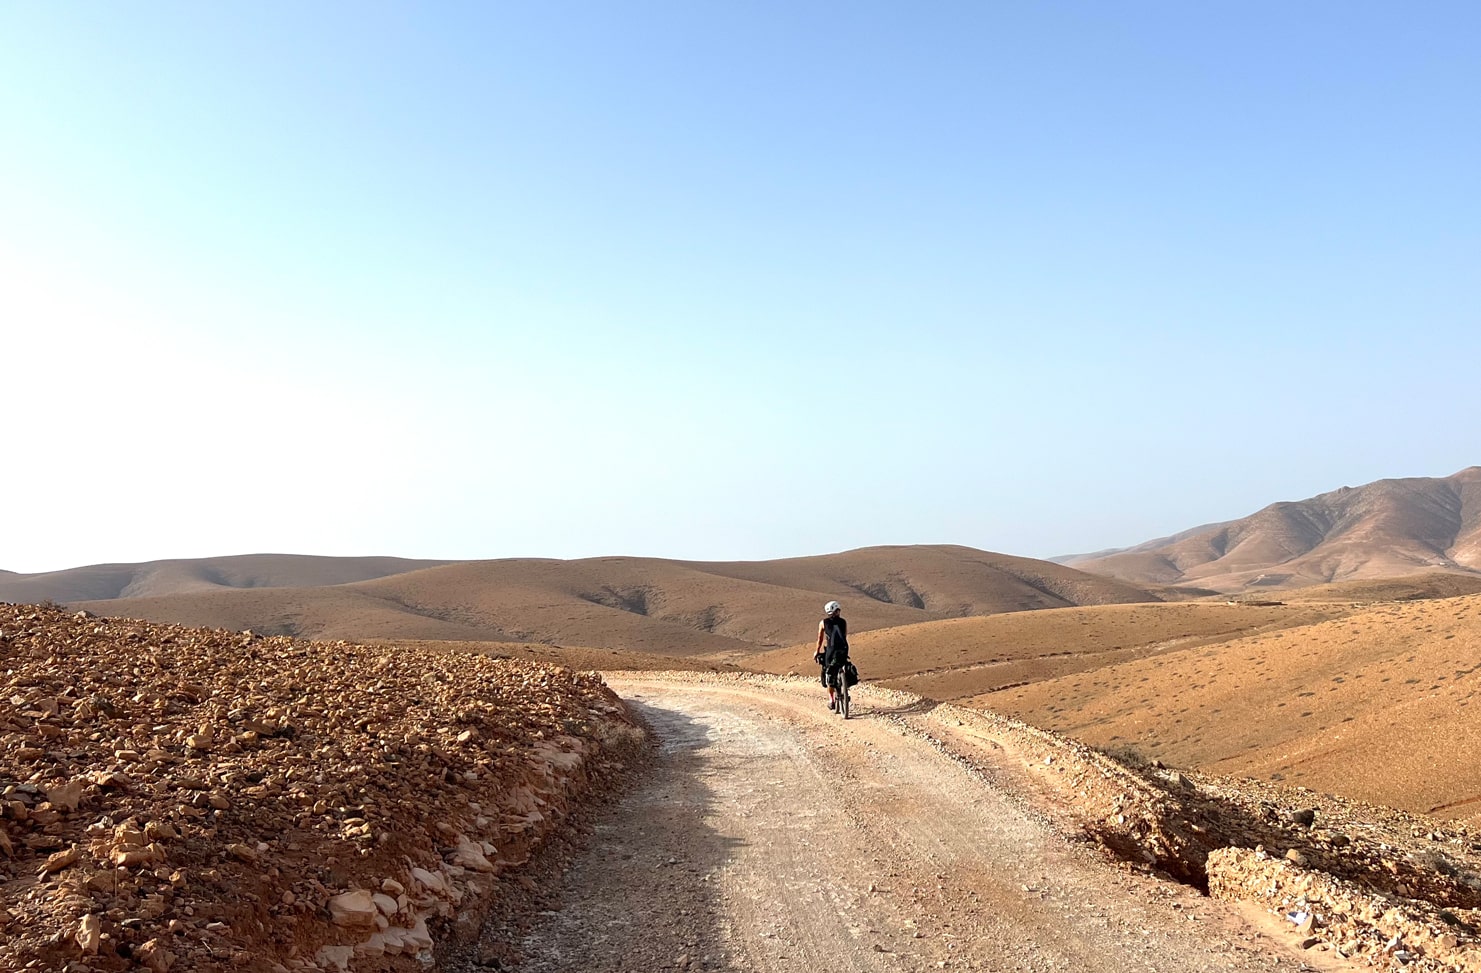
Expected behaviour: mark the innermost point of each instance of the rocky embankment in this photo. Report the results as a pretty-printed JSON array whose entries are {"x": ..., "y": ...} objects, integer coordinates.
[
  {"x": 182, "y": 799},
  {"x": 1383, "y": 887}
]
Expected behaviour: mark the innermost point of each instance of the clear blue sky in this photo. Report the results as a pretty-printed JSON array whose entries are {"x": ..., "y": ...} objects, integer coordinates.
[{"x": 724, "y": 280}]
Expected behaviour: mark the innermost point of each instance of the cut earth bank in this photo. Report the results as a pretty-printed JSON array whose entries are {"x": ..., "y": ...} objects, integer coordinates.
[{"x": 176, "y": 799}]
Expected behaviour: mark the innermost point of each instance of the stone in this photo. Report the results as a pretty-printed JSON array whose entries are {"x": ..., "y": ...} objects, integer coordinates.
[
  {"x": 67, "y": 796},
  {"x": 1305, "y": 817},
  {"x": 160, "y": 831},
  {"x": 127, "y": 835},
  {"x": 429, "y": 881},
  {"x": 61, "y": 860},
  {"x": 130, "y": 856},
  {"x": 418, "y": 935},
  {"x": 89, "y": 935},
  {"x": 335, "y": 957},
  {"x": 374, "y": 946},
  {"x": 470, "y": 855},
  {"x": 355, "y": 909},
  {"x": 155, "y": 955}
]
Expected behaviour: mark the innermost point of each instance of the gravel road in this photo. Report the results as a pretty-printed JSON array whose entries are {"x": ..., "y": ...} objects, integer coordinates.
[{"x": 774, "y": 836}]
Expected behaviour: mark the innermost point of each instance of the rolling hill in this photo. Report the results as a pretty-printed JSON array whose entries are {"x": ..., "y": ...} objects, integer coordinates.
[
  {"x": 719, "y": 610},
  {"x": 960, "y": 658},
  {"x": 1382, "y": 704},
  {"x": 1414, "y": 587},
  {"x": 1386, "y": 529},
  {"x": 99, "y": 582}
]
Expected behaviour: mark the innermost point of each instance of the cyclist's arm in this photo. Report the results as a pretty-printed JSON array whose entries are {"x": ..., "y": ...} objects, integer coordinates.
[{"x": 821, "y": 627}]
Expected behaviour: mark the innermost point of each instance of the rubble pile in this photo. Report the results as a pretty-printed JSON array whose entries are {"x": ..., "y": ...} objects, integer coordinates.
[
  {"x": 1349, "y": 918},
  {"x": 1388, "y": 887},
  {"x": 184, "y": 799}
]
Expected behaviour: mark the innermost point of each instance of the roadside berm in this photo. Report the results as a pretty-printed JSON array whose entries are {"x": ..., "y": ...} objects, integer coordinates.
[
  {"x": 1371, "y": 884},
  {"x": 184, "y": 799}
]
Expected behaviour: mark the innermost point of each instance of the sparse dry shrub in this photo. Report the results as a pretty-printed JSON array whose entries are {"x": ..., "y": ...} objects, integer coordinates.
[{"x": 1127, "y": 755}]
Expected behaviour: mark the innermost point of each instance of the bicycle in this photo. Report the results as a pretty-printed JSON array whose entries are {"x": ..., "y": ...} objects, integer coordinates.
[{"x": 838, "y": 682}]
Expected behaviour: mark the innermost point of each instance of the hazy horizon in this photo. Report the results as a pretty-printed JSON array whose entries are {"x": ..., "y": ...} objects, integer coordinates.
[{"x": 723, "y": 283}]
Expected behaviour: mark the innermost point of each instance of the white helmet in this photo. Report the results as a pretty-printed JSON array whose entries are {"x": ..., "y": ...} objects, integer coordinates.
[{"x": 832, "y": 608}]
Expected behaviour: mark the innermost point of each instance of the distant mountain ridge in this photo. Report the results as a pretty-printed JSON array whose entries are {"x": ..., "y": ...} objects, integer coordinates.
[
  {"x": 97, "y": 582},
  {"x": 1386, "y": 529},
  {"x": 677, "y": 608}
]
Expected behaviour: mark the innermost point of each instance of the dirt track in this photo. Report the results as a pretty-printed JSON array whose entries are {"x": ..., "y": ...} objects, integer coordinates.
[{"x": 773, "y": 836}]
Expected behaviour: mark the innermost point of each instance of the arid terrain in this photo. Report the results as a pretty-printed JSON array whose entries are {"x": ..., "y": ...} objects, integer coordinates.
[
  {"x": 1381, "y": 703},
  {"x": 958, "y": 658},
  {"x": 670, "y": 608},
  {"x": 1350, "y": 687},
  {"x": 1386, "y": 529},
  {"x": 182, "y": 799},
  {"x": 1372, "y": 700},
  {"x": 1051, "y": 769}
]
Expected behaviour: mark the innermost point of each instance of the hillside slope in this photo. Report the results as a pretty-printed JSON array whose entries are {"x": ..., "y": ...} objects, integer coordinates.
[
  {"x": 1413, "y": 587},
  {"x": 959, "y": 658},
  {"x": 1383, "y": 705},
  {"x": 181, "y": 575},
  {"x": 724, "y": 610},
  {"x": 1385, "y": 529}
]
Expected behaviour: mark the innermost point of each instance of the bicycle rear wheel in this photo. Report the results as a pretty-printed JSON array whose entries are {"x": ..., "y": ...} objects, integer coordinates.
[{"x": 843, "y": 694}]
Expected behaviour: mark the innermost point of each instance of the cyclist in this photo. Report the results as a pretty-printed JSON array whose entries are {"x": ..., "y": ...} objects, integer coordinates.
[{"x": 832, "y": 645}]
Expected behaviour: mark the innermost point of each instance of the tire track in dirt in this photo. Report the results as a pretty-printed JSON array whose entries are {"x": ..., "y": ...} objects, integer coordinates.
[{"x": 771, "y": 835}]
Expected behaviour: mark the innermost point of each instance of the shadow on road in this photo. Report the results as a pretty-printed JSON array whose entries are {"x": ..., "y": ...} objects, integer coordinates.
[
  {"x": 866, "y": 708},
  {"x": 642, "y": 893}
]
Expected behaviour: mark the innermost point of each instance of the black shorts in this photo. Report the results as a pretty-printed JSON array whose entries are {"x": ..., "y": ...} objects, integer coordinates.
[{"x": 831, "y": 665}]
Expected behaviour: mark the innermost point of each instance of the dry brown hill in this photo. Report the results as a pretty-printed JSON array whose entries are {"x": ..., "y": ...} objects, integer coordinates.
[
  {"x": 960, "y": 658},
  {"x": 578, "y": 657},
  {"x": 1418, "y": 587},
  {"x": 942, "y": 579},
  {"x": 721, "y": 610},
  {"x": 1383, "y": 705},
  {"x": 1386, "y": 529},
  {"x": 177, "y": 576}
]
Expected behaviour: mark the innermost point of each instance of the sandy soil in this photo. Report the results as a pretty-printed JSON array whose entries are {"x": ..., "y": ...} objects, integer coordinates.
[
  {"x": 963, "y": 657},
  {"x": 1383, "y": 706},
  {"x": 772, "y": 835}
]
